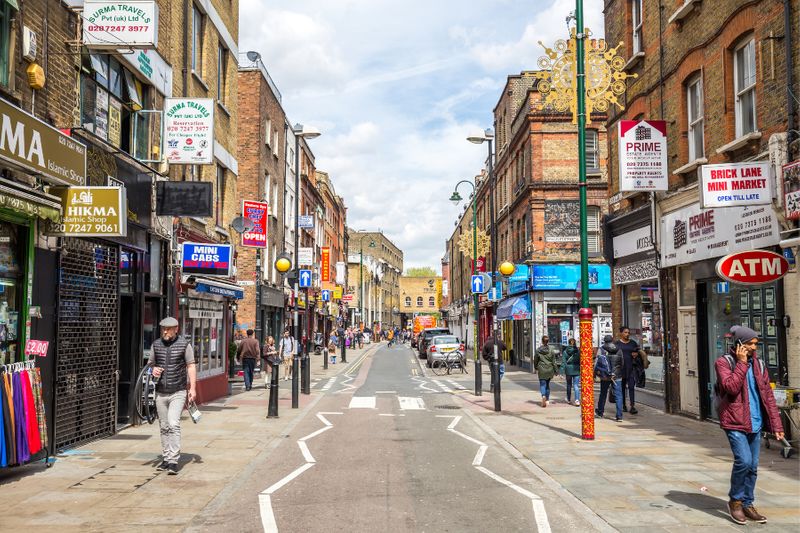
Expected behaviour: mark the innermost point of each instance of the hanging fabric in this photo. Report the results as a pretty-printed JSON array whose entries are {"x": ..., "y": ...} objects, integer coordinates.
[
  {"x": 23, "y": 425},
  {"x": 23, "y": 455},
  {"x": 31, "y": 421},
  {"x": 39, "y": 401},
  {"x": 3, "y": 458},
  {"x": 8, "y": 406}
]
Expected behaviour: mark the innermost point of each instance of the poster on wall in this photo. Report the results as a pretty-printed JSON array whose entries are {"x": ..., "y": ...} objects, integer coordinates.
[
  {"x": 115, "y": 122},
  {"x": 791, "y": 190},
  {"x": 258, "y": 213},
  {"x": 111, "y": 23},
  {"x": 694, "y": 234},
  {"x": 101, "y": 113},
  {"x": 561, "y": 221},
  {"x": 732, "y": 184},
  {"x": 189, "y": 130},
  {"x": 643, "y": 155}
]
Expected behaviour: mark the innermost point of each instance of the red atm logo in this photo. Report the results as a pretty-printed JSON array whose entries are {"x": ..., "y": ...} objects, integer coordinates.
[{"x": 753, "y": 267}]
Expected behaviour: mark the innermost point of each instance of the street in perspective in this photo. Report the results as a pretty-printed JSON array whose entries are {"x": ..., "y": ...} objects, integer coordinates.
[{"x": 271, "y": 266}]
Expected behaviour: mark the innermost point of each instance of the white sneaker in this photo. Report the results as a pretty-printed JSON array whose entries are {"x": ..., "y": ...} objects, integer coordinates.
[{"x": 577, "y": 402}]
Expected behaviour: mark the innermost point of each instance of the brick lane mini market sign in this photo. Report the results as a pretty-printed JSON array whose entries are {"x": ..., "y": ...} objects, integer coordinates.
[
  {"x": 733, "y": 184},
  {"x": 753, "y": 267},
  {"x": 110, "y": 24}
]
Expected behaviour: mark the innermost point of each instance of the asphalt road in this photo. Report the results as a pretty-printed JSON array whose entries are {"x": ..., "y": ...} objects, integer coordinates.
[{"x": 387, "y": 449}]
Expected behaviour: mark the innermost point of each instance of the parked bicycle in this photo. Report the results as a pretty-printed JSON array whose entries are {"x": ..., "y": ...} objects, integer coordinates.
[{"x": 450, "y": 363}]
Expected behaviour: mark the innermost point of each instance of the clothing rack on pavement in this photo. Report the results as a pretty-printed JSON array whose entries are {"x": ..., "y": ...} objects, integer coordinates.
[{"x": 23, "y": 425}]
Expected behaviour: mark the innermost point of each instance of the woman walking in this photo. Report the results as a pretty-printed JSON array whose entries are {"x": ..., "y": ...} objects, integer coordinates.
[
  {"x": 270, "y": 360},
  {"x": 572, "y": 370},
  {"x": 546, "y": 367}
]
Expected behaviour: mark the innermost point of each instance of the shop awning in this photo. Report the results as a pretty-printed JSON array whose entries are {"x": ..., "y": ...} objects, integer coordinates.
[
  {"x": 29, "y": 204},
  {"x": 515, "y": 308},
  {"x": 219, "y": 288}
]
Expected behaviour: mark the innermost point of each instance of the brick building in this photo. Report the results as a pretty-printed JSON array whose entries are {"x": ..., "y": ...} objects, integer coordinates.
[
  {"x": 724, "y": 91},
  {"x": 262, "y": 165},
  {"x": 420, "y": 296},
  {"x": 457, "y": 307},
  {"x": 378, "y": 279},
  {"x": 335, "y": 240}
]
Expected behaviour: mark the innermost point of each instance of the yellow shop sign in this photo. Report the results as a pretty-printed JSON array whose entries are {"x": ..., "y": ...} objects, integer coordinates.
[{"x": 91, "y": 212}]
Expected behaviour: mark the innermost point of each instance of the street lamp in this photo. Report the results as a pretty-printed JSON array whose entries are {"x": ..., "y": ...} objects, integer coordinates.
[
  {"x": 283, "y": 264},
  {"x": 456, "y": 198},
  {"x": 487, "y": 136},
  {"x": 305, "y": 132}
]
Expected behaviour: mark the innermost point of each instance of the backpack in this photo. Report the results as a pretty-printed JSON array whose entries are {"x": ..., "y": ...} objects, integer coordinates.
[{"x": 602, "y": 367}]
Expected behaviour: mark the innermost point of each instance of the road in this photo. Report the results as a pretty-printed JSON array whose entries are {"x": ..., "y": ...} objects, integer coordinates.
[{"x": 385, "y": 448}]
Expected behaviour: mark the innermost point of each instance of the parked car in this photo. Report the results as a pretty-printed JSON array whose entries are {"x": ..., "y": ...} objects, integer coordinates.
[
  {"x": 425, "y": 337},
  {"x": 441, "y": 345}
]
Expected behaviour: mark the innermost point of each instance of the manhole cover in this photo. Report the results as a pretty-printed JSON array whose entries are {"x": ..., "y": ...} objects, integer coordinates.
[{"x": 447, "y": 407}]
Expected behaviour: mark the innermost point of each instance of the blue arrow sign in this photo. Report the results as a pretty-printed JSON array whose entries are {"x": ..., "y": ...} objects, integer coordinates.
[
  {"x": 305, "y": 279},
  {"x": 326, "y": 295}
]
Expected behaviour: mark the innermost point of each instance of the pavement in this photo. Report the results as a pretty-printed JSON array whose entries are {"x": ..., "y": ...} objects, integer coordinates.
[{"x": 381, "y": 444}]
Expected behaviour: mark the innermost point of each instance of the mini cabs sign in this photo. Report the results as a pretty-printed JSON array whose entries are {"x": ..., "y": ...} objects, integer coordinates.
[{"x": 91, "y": 212}]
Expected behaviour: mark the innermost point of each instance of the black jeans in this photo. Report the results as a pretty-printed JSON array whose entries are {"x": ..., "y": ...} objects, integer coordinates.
[
  {"x": 249, "y": 366},
  {"x": 629, "y": 386}
]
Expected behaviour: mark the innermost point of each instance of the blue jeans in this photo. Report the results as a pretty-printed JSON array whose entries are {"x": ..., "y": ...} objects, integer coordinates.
[
  {"x": 544, "y": 388},
  {"x": 601, "y": 402},
  {"x": 745, "y": 448},
  {"x": 249, "y": 366},
  {"x": 573, "y": 385}
]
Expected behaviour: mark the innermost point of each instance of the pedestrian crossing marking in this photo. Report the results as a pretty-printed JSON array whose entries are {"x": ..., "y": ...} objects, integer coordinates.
[
  {"x": 456, "y": 384},
  {"x": 362, "y": 402},
  {"x": 329, "y": 384},
  {"x": 411, "y": 403}
]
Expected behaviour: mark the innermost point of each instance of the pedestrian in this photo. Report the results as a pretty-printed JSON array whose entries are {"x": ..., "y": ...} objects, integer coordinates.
[
  {"x": 286, "y": 350},
  {"x": 488, "y": 355},
  {"x": 249, "y": 351},
  {"x": 270, "y": 354},
  {"x": 608, "y": 369},
  {"x": 572, "y": 371},
  {"x": 172, "y": 360},
  {"x": 629, "y": 350},
  {"x": 360, "y": 339},
  {"x": 544, "y": 361},
  {"x": 746, "y": 407}
]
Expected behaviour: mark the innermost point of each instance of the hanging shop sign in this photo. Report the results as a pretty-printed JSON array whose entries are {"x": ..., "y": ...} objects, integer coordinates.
[
  {"x": 643, "y": 155},
  {"x": 791, "y": 190},
  {"x": 633, "y": 242},
  {"x": 753, "y": 267},
  {"x": 91, "y": 212},
  {"x": 337, "y": 293},
  {"x": 206, "y": 259},
  {"x": 110, "y": 24},
  {"x": 258, "y": 213},
  {"x": 694, "y": 234},
  {"x": 305, "y": 221},
  {"x": 184, "y": 198},
  {"x": 305, "y": 256},
  {"x": 325, "y": 263},
  {"x": 732, "y": 184},
  {"x": 341, "y": 272},
  {"x": 566, "y": 277},
  {"x": 30, "y": 144},
  {"x": 189, "y": 130}
]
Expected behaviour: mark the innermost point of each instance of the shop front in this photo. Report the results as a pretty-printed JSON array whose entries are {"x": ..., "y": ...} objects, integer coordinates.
[
  {"x": 272, "y": 309},
  {"x": 708, "y": 306}
]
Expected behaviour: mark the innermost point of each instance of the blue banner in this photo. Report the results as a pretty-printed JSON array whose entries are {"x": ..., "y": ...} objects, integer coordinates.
[
  {"x": 566, "y": 277},
  {"x": 206, "y": 259},
  {"x": 519, "y": 281}
]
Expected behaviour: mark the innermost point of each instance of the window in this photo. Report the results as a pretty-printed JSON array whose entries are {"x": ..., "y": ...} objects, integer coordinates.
[
  {"x": 636, "y": 20},
  {"x": 274, "y": 273},
  {"x": 744, "y": 73},
  {"x": 694, "y": 116},
  {"x": 431, "y": 301},
  {"x": 6, "y": 13},
  {"x": 419, "y": 301},
  {"x": 222, "y": 73},
  {"x": 220, "y": 195},
  {"x": 267, "y": 185},
  {"x": 198, "y": 24},
  {"x": 408, "y": 301},
  {"x": 268, "y": 132},
  {"x": 593, "y": 228},
  {"x": 592, "y": 152},
  {"x": 275, "y": 142}
]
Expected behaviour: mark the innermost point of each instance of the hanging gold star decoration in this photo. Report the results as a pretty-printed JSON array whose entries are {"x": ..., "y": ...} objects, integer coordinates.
[
  {"x": 465, "y": 243},
  {"x": 605, "y": 79}
]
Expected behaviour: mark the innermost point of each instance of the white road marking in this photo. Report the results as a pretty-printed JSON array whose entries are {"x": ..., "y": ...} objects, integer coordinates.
[
  {"x": 346, "y": 384},
  {"x": 314, "y": 434},
  {"x": 442, "y": 386},
  {"x": 329, "y": 384},
  {"x": 539, "y": 512},
  {"x": 280, "y": 483},
  {"x": 385, "y": 392},
  {"x": 306, "y": 452},
  {"x": 388, "y": 414},
  {"x": 362, "y": 402},
  {"x": 411, "y": 404},
  {"x": 267, "y": 516},
  {"x": 457, "y": 385}
]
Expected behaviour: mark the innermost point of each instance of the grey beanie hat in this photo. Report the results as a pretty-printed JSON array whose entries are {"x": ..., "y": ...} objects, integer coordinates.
[
  {"x": 744, "y": 334},
  {"x": 169, "y": 322}
]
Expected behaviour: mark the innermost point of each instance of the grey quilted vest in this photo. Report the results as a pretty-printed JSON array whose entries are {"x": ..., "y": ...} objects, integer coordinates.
[{"x": 172, "y": 359}]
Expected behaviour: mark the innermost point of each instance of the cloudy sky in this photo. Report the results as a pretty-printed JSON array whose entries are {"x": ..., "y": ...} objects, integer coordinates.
[{"x": 395, "y": 87}]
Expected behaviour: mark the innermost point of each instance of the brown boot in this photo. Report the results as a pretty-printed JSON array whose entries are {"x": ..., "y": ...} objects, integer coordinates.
[
  {"x": 544, "y": 402},
  {"x": 736, "y": 511},
  {"x": 752, "y": 514}
]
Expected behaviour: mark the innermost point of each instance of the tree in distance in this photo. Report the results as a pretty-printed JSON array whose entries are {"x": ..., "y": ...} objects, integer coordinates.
[{"x": 420, "y": 272}]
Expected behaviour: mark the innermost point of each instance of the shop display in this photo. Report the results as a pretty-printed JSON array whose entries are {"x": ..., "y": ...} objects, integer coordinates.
[{"x": 23, "y": 425}]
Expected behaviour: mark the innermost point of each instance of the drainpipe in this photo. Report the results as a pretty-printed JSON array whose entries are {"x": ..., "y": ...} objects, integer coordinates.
[{"x": 787, "y": 30}]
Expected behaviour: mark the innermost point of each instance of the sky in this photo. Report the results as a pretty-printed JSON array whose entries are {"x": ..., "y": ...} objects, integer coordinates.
[{"x": 395, "y": 87}]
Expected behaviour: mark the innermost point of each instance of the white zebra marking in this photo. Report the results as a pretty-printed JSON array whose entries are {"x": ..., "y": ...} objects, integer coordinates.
[{"x": 411, "y": 403}]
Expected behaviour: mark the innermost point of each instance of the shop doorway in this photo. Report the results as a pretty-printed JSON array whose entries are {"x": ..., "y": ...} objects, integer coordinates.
[{"x": 130, "y": 334}]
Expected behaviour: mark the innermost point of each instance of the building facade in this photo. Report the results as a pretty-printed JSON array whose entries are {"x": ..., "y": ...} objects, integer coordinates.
[
  {"x": 420, "y": 296},
  {"x": 724, "y": 91},
  {"x": 375, "y": 265}
]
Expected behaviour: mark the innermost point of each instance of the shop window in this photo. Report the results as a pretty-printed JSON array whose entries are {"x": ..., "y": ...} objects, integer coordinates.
[
  {"x": 694, "y": 117},
  {"x": 744, "y": 73},
  {"x": 408, "y": 301},
  {"x": 222, "y": 71},
  {"x": 636, "y": 26},
  {"x": 203, "y": 322},
  {"x": 686, "y": 287},
  {"x": 431, "y": 301},
  {"x": 198, "y": 26},
  {"x": 419, "y": 301},
  {"x": 11, "y": 286},
  {"x": 592, "y": 152},
  {"x": 6, "y": 13}
]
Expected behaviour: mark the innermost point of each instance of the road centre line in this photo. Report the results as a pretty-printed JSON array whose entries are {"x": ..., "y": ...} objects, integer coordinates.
[{"x": 389, "y": 414}]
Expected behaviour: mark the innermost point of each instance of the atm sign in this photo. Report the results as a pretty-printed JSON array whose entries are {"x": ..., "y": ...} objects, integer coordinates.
[{"x": 754, "y": 267}]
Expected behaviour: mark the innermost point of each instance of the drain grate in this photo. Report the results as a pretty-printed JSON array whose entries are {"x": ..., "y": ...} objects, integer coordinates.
[{"x": 447, "y": 407}]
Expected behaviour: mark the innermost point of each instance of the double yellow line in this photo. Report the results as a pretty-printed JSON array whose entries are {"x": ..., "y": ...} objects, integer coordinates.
[{"x": 357, "y": 364}]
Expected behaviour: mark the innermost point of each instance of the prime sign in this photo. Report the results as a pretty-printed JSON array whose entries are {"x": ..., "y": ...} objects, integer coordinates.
[{"x": 753, "y": 267}]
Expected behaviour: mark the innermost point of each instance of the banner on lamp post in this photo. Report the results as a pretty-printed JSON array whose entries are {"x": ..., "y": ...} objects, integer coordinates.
[
  {"x": 341, "y": 272},
  {"x": 258, "y": 213},
  {"x": 734, "y": 184},
  {"x": 643, "y": 155},
  {"x": 325, "y": 263}
]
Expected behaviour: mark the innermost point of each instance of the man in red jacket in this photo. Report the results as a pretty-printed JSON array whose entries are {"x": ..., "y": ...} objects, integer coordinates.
[{"x": 746, "y": 407}]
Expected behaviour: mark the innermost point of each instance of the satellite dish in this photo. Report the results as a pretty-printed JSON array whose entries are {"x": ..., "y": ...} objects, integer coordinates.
[{"x": 242, "y": 224}]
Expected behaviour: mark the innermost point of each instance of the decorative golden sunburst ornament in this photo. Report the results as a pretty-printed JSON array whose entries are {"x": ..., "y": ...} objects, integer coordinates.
[
  {"x": 465, "y": 243},
  {"x": 605, "y": 79}
]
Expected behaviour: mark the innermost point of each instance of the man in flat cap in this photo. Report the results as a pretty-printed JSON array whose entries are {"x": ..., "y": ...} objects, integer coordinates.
[
  {"x": 746, "y": 407},
  {"x": 172, "y": 359}
]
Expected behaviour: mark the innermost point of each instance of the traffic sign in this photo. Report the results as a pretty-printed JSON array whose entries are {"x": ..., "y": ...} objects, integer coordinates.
[
  {"x": 495, "y": 294},
  {"x": 480, "y": 284},
  {"x": 326, "y": 295},
  {"x": 305, "y": 279}
]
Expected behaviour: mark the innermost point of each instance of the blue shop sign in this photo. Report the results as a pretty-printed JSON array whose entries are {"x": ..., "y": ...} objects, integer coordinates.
[
  {"x": 566, "y": 277},
  {"x": 519, "y": 280},
  {"x": 206, "y": 259},
  {"x": 221, "y": 291}
]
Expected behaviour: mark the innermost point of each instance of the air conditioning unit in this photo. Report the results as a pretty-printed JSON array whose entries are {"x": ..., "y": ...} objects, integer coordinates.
[{"x": 30, "y": 44}]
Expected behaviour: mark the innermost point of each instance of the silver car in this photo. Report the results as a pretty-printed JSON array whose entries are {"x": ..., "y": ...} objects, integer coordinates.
[{"x": 440, "y": 346}]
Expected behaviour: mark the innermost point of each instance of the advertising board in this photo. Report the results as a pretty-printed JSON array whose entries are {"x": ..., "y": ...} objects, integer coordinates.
[
  {"x": 258, "y": 213},
  {"x": 643, "y": 155},
  {"x": 732, "y": 184},
  {"x": 112, "y": 23},
  {"x": 208, "y": 259},
  {"x": 189, "y": 131}
]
